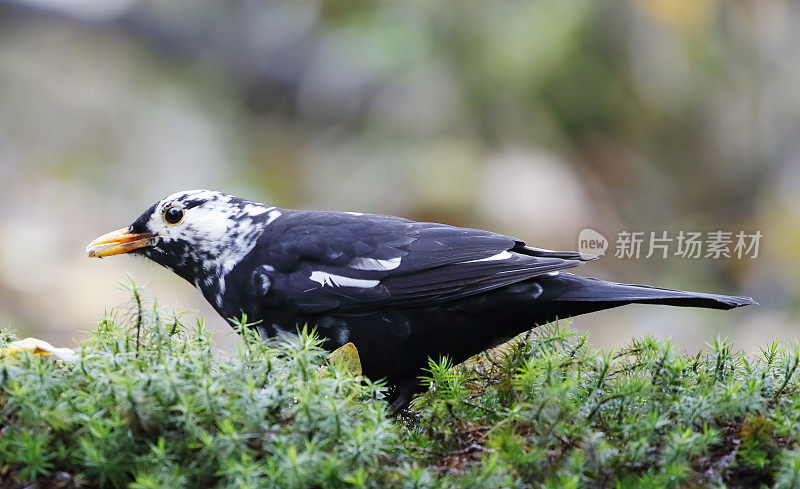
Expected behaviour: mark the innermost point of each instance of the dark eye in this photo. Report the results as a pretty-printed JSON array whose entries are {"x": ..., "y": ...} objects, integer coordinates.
[{"x": 173, "y": 215}]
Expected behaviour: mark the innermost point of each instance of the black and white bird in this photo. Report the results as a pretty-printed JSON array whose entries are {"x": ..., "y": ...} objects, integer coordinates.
[{"x": 401, "y": 291}]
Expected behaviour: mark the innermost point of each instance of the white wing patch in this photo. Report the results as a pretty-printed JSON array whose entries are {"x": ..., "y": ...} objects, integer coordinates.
[
  {"x": 324, "y": 278},
  {"x": 375, "y": 264},
  {"x": 504, "y": 255}
]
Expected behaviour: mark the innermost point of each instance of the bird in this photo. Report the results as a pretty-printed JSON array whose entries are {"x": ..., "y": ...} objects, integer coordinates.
[{"x": 401, "y": 291}]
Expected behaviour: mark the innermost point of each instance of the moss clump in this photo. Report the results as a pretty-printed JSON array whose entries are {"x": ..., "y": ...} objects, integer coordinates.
[
  {"x": 149, "y": 403},
  {"x": 551, "y": 412}
]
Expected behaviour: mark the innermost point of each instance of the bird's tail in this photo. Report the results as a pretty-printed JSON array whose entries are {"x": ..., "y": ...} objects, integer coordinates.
[{"x": 602, "y": 295}]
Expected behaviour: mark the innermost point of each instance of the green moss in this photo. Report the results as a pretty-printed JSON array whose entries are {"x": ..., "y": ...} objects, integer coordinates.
[{"x": 151, "y": 404}]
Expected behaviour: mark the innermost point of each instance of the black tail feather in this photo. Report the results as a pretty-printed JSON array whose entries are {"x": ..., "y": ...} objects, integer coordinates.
[{"x": 572, "y": 288}]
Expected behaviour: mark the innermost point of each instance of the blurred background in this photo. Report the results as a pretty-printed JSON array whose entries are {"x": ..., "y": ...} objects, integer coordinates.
[{"x": 535, "y": 118}]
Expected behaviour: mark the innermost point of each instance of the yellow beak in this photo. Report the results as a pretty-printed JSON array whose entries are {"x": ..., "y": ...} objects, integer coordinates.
[{"x": 118, "y": 242}]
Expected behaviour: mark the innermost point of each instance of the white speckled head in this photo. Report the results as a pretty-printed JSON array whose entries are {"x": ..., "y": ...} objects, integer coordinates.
[
  {"x": 203, "y": 233},
  {"x": 207, "y": 216}
]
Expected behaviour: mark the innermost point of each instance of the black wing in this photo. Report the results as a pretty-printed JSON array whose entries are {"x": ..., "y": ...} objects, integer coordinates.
[{"x": 354, "y": 263}]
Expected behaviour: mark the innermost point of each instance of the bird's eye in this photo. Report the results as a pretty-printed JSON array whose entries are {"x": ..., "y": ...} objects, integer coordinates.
[{"x": 173, "y": 215}]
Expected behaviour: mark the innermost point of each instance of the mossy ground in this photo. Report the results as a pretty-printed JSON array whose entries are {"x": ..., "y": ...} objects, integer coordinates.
[{"x": 151, "y": 404}]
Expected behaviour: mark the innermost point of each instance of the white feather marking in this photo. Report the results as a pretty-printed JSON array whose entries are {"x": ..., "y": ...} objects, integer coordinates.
[
  {"x": 186, "y": 193},
  {"x": 324, "y": 278},
  {"x": 504, "y": 255},
  {"x": 263, "y": 280},
  {"x": 266, "y": 283},
  {"x": 273, "y": 214},
  {"x": 553, "y": 274},
  {"x": 254, "y": 210},
  {"x": 220, "y": 291},
  {"x": 355, "y": 213},
  {"x": 375, "y": 264}
]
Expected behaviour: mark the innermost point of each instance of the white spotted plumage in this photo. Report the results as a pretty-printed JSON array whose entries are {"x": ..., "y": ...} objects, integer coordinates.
[{"x": 219, "y": 232}]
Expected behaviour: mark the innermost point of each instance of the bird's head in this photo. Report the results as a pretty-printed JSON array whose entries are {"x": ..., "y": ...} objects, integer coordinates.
[{"x": 199, "y": 234}]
